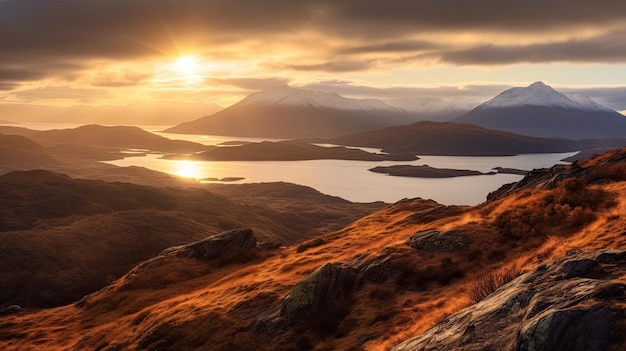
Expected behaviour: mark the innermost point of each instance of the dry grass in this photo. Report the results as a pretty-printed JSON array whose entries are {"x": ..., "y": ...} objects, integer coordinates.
[
  {"x": 215, "y": 310},
  {"x": 488, "y": 283}
]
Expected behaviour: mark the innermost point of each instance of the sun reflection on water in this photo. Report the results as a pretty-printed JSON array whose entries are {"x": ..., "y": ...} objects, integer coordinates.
[{"x": 188, "y": 169}]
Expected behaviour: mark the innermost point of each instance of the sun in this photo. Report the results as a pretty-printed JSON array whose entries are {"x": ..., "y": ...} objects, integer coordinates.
[{"x": 188, "y": 69}]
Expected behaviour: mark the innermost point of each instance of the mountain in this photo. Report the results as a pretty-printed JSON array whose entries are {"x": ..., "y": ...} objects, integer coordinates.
[
  {"x": 539, "y": 110},
  {"x": 432, "y": 108},
  {"x": 126, "y": 137},
  {"x": 541, "y": 268},
  {"x": 286, "y": 112}
]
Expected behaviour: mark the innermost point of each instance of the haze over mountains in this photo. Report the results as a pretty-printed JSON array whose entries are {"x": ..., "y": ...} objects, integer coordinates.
[{"x": 285, "y": 112}]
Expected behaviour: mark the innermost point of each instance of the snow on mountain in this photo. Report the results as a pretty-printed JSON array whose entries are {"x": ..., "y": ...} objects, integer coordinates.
[
  {"x": 539, "y": 94},
  {"x": 587, "y": 103},
  {"x": 293, "y": 97}
]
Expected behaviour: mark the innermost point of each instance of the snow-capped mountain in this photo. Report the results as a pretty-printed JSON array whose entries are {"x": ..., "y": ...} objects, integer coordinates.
[
  {"x": 286, "y": 112},
  {"x": 539, "y": 110},
  {"x": 539, "y": 94},
  {"x": 288, "y": 96}
]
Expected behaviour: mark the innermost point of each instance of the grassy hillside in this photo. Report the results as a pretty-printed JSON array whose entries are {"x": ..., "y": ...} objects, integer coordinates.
[
  {"x": 403, "y": 282},
  {"x": 70, "y": 237}
]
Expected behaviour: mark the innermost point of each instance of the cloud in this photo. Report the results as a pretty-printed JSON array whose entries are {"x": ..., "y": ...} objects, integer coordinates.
[
  {"x": 613, "y": 97},
  {"x": 606, "y": 48},
  {"x": 334, "y": 66},
  {"x": 60, "y": 93},
  {"x": 392, "y": 46},
  {"x": 348, "y": 88},
  {"x": 250, "y": 83}
]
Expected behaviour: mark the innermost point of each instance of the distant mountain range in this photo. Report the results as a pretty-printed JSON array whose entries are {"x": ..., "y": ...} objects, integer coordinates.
[
  {"x": 286, "y": 112},
  {"x": 539, "y": 110}
]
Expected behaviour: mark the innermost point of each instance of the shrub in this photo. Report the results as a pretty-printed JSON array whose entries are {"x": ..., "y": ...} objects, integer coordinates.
[
  {"x": 310, "y": 244},
  {"x": 491, "y": 281},
  {"x": 569, "y": 206}
]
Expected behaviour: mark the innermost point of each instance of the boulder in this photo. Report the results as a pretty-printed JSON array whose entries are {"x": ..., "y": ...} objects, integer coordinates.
[
  {"x": 226, "y": 243},
  {"x": 319, "y": 301},
  {"x": 11, "y": 310},
  {"x": 568, "y": 304},
  {"x": 435, "y": 240}
]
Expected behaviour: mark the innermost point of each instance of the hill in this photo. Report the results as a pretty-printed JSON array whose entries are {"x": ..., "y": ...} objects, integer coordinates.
[
  {"x": 125, "y": 137},
  {"x": 538, "y": 110},
  {"x": 446, "y": 138},
  {"x": 70, "y": 237},
  {"x": 286, "y": 112},
  {"x": 380, "y": 281},
  {"x": 292, "y": 151}
]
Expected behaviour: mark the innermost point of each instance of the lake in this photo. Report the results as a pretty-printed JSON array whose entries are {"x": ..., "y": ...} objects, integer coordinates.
[{"x": 351, "y": 180}]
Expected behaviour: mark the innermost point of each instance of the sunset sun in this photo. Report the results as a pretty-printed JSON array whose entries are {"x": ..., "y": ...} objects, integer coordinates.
[{"x": 188, "y": 69}]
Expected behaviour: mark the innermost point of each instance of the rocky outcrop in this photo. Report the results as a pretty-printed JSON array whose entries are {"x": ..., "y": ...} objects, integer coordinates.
[
  {"x": 570, "y": 304},
  {"x": 435, "y": 240},
  {"x": 549, "y": 178},
  {"x": 319, "y": 301},
  {"x": 229, "y": 242}
]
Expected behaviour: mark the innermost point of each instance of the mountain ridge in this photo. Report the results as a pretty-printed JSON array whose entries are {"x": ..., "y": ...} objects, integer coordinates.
[{"x": 539, "y": 110}]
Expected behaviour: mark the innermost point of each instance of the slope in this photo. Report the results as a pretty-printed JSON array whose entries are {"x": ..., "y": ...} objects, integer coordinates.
[
  {"x": 70, "y": 237},
  {"x": 381, "y": 280}
]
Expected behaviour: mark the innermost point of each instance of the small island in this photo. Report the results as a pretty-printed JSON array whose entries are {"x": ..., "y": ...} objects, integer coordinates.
[
  {"x": 425, "y": 171},
  {"x": 502, "y": 170}
]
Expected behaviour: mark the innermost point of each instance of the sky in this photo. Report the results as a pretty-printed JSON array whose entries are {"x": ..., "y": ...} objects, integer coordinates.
[{"x": 119, "y": 52}]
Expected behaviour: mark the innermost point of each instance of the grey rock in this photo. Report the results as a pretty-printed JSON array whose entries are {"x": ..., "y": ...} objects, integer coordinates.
[
  {"x": 562, "y": 305},
  {"x": 434, "y": 240},
  {"x": 11, "y": 310},
  {"x": 229, "y": 242},
  {"x": 318, "y": 299}
]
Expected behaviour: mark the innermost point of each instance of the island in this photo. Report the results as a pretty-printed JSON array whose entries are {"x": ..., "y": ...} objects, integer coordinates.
[
  {"x": 425, "y": 171},
  {"x": 289, "y": 150}
]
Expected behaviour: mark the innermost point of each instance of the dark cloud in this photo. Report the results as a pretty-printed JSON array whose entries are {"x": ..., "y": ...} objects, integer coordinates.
[
  {"x": 393, "y": 46},
  {"x": 512, "y": 15},
  {"x": 54, "y": 32},
  {"x": 135, "y": 28},
  {"x": 607, "y": 48},
  {"x": 334, "y": 66}
]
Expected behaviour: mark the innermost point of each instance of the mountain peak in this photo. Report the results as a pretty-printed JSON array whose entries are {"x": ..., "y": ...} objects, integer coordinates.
[
  {"x": 284, "y": 95},
  {"x": 540, "y": 94}
]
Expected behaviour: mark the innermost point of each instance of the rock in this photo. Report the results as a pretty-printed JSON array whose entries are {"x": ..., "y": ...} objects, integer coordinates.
[
  {"x": 320, "y": 300},
  {"x": 434, "y": 240},
  {"x": 568, "y": 304},
  {"x": 579, "y": 329},
  {"x": 11, "y": 310},
  {"x": 229, "y": 242}
]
